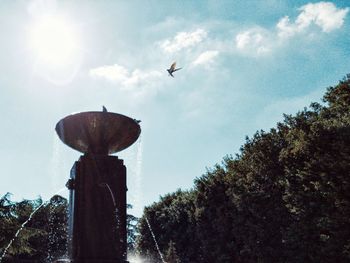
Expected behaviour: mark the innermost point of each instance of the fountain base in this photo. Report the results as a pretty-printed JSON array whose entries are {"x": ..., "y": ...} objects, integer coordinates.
[{"x": 97, "y": 216}]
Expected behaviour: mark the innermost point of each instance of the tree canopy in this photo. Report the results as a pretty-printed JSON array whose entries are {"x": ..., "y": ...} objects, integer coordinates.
[
  {"x": 284, "y": 198},
  {"x": 40, "y": 227}
]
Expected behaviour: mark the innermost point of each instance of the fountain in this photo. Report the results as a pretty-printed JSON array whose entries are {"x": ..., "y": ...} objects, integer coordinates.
[{"x": 97, "y": 184}]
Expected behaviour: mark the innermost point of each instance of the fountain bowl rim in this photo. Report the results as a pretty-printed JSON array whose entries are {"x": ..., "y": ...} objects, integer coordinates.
[{"x": 131, "y": 122}]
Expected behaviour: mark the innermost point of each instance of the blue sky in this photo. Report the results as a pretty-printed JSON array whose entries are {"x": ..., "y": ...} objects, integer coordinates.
[{"x": 245, "y": 63}]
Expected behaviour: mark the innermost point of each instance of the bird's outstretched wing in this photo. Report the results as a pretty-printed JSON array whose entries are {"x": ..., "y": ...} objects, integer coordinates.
[
  {"x": 176, "y": 69},
  {"x": 172, "y": 67}
]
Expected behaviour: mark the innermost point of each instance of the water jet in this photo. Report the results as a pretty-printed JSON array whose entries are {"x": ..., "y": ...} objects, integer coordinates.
[{"x": 97, "y": 184}]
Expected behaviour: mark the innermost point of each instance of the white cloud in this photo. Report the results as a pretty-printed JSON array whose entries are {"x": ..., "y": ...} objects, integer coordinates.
[
  {"x": 285, "y": 29},
  {"x": 115, "y": 73},
  {"x": 258, "y": 41},
  {"x": 183, "y": 40},
  {"x": 138, "y": 76},
  {"x": 206, "y": 57},
  {"x": 119, "y": 74},
  {"x": 323, "y": 14},
  {"x": 254, "y": 41}
]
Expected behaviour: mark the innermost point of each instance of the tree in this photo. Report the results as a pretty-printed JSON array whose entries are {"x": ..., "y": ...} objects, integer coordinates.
[
  {"x": 131, "y": 223},
  {"x": 31, "y": 219},
  {"x": 43, "y": 236},
  {"x": 174, "y": 211},
  {"x": 171, "y": 254},
  {"x": 283, "y": 198}
]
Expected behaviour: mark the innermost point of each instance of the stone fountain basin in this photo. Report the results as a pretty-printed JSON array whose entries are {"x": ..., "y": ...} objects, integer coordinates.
[{"x": 98, "y": 132}]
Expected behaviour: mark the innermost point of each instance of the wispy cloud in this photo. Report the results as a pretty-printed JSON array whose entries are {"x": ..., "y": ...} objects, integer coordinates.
[
  {"x": 206, "y": 57},
  {"x": 259, "y": 41},
  {"x": 183, "y": 40},
  {"x": 119, "y": 74}
]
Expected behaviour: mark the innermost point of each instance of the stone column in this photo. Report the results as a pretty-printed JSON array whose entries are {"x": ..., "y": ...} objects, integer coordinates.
[{"x": 97, "y": 220}]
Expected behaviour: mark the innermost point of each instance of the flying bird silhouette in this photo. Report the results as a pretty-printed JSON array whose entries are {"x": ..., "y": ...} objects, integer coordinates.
[{"x": 172, "y": 69}]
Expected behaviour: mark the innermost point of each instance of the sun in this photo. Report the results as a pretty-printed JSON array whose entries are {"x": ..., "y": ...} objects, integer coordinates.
[{"x": 53, "y": 40}]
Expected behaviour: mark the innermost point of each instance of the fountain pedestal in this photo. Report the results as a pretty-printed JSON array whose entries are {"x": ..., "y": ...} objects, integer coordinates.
[
  {"x": 97, "y": 203},
  {"x": 97, "y": 227}
]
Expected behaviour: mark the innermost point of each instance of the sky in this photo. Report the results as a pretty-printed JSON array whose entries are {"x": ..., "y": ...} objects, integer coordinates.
[{"x": 244, "y": 64}]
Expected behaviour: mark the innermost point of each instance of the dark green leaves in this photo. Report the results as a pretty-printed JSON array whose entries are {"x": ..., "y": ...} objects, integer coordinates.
[{"x": 284, "y": 198}]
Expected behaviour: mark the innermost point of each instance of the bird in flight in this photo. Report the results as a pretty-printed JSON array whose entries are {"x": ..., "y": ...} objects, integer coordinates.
[{"x": 172, "y": 69}]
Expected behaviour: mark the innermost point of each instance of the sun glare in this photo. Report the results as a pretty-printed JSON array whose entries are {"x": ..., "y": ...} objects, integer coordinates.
[{"x": 53, "y": 40}]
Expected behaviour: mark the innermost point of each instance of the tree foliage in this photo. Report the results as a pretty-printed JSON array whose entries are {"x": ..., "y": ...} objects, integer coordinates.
[
  {"x": 131, "y": 225},
  {"x": 41, "y": 229},
  {"x": 44, "y": 237},
  {"x": 284, "y": 198}
]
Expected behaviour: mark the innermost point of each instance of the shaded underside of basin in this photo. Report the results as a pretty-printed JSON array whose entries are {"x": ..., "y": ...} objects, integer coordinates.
[{"x": 98, "y": 132}]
